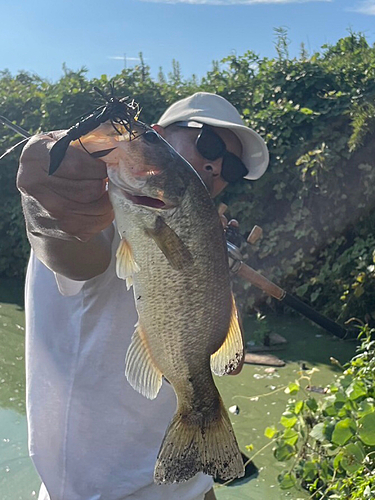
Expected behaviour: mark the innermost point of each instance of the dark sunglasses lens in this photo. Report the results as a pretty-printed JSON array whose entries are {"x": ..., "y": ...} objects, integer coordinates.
[
  {"x": 233, "y": 168},
  {"x": 210, "y": 145}
]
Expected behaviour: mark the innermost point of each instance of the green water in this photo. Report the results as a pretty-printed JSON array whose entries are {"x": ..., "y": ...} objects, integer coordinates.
[
  {"x": 18, "y": 480},
  {"x": 307, "y": 344}
]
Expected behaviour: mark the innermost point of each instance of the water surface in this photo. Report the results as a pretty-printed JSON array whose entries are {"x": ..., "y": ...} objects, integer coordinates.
[
  {"x": 18, "y": 479},
  {"x": 307, "y": 344}
]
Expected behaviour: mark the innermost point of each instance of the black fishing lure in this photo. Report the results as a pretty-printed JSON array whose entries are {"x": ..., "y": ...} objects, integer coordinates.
[{"x": 117, "y": 111}]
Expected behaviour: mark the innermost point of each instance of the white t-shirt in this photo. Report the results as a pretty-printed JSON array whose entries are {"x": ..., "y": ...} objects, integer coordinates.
[{"x": 91, "y": 435}]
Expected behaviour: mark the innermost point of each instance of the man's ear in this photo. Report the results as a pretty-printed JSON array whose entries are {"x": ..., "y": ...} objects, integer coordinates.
[{"x": 160, "y": 130}]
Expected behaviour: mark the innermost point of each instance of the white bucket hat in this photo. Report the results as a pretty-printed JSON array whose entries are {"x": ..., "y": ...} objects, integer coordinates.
[{"x": 214, "y": 110}]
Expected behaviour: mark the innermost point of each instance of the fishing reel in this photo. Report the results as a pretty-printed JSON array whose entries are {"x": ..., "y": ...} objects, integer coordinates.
[
  {"x": 235, "y": 258},
  {"x": 235, "y": 241}
]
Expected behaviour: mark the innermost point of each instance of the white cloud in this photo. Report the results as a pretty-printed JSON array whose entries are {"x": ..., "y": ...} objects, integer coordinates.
[
  {"x": 366, "y": 7},
  {"x": 233, "y": 2},
  {"x": 122, "y": 58}
]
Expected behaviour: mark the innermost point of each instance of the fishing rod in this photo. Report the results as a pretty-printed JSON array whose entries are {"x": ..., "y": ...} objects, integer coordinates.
[
  {"x": 247, "y": 273},
  {"x": 16, "y": 128}
]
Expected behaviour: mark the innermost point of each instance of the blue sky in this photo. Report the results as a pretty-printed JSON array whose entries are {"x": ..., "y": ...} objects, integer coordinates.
[{"x": 40, "y": 36}]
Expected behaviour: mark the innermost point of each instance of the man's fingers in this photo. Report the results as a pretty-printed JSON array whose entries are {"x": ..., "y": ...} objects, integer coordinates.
[
  {"x": 82, "y": 191},
  {"x": 234, "y": 223},
  {"x": 73, "y": 202},
  {"x": 224, "y": 221},
  {"x": 82, "y": 229},
  {"x": 81, "y": 221},
  {"x": 57, "y": 207},
  {"x": 76, "y": 164}
]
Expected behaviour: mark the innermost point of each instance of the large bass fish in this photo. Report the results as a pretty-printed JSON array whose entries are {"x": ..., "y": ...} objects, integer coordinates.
[{"x": 173, "y": 253}]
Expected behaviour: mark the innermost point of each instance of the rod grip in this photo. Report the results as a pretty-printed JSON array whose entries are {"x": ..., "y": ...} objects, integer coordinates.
[{"x": 256, "y": 279}]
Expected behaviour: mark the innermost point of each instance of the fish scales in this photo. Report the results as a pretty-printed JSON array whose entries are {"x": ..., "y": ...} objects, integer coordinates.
[{"x": 173, "y": 253}]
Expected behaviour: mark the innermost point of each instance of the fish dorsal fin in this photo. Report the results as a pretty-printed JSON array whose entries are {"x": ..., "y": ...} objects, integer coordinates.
[
  {"x": 126, "y": 266},
  {"x": 229, "y": 356},
  {"x": 174, "y": 249},
  {"x": 140, "y": 370}
]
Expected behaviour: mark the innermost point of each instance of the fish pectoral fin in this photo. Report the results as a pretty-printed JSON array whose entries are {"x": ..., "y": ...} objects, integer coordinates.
[
  {"x": 174, "y": 249},
  {"x": 129, "y": 282},
  {"x": 126, "y": 266},
  {"x": 228, "y": 358},
  {"x": 140, "y": 370}
]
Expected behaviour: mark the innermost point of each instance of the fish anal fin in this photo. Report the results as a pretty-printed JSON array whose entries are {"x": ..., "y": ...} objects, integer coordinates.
[
  {"x": 140, "y": 370},
  {"x": 126, "y": 266},
  {"x": 172, "y": 246},
  {"x": 199, "y": 443},
  {"x": 228, "y": 358}
]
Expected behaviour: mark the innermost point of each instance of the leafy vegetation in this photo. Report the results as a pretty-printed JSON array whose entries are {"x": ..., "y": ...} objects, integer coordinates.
[
  {"x": 316, "y": 201},
  {"x": 315, "y": 204},
  {"x": 329, "y": 440}
]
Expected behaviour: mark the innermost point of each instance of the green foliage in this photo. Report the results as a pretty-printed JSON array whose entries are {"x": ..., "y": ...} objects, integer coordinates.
[
  {"x": 261, "y": 331},
  {"x": 316, "y": 115},
  {"x": 315, "y": 202},
  {"x": 344, "y": 272},
  {"x": 20, "y": 100},
  {"x": 329, "y": 441}
]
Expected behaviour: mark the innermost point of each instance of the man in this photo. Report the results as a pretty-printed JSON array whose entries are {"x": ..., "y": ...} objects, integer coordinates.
[{"x": 91, "y": 436}]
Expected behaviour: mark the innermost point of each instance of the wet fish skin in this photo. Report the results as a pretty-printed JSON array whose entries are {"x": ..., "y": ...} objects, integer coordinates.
[{"x": 173, "y": 252}]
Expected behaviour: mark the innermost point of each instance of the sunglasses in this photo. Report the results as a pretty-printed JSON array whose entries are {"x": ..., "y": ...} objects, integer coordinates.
[{"x": 211, "y": 146}]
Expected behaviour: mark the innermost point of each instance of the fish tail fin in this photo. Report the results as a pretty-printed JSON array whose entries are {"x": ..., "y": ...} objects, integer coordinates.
[{"x": 199, "y": 443}]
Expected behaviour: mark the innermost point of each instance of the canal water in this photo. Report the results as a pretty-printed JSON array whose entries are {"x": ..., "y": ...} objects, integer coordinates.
[{"x": 257, "y": 391}]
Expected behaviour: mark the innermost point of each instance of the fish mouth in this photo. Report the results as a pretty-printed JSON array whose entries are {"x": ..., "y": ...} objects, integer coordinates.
[
  {"x": 146, "y": 201},
  {"x": 136, "y": 198}
]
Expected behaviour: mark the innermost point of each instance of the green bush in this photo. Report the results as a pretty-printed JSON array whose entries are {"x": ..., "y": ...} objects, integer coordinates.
[
  {"x": 316, "y": 115},
  {"x": 329, "y": 441}
]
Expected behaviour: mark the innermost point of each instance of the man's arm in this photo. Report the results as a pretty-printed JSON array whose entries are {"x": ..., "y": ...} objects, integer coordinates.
[{"x": 68, "y": 215}]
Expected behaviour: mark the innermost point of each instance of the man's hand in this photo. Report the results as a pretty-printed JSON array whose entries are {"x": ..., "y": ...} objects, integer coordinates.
[
  {"x": 72, "y": 203},
  {"x": 66, "y": 212}
]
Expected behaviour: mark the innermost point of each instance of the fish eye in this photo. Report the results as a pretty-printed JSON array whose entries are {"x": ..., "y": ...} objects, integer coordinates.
[{"x": 151, "y": 136}]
